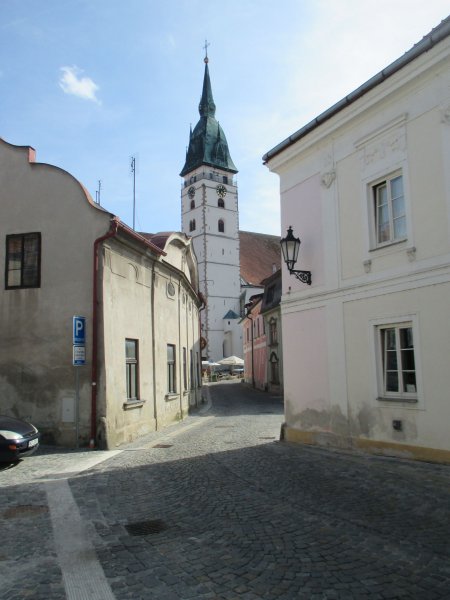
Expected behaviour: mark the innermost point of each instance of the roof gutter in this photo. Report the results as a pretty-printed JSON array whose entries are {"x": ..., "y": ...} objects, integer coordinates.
[{"x": 428, "y": 42}]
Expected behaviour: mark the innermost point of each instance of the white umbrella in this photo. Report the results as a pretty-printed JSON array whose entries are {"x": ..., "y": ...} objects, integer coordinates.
[{"x": 231, "y": 361}]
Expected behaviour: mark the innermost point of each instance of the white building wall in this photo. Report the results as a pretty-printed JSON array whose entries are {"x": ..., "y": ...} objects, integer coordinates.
[
  {"x": 217, "y": 253},
  {"x": 330, "y": 330}
]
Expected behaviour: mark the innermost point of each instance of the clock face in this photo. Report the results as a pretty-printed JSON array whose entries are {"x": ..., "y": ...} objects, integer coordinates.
[
  {"x": 221, "y": 190},
  {"x": 191, "y": 192}
]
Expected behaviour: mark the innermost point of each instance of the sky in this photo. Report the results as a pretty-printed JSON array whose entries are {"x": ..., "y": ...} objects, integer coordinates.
[{"x": 92, "y": 83}]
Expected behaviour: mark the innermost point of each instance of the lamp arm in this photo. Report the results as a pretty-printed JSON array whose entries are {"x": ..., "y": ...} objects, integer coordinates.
[{"x": 303, "y": 276}]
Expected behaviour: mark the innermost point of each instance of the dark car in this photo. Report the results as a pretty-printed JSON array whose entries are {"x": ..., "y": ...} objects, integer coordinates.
[{"x": 17, "y": 439}]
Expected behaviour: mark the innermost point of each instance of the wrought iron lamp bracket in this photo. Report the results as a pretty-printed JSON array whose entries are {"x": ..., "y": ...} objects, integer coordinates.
[{"x": 303, "y": 276}]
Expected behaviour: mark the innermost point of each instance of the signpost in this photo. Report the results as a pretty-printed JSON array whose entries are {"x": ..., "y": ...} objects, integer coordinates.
[{"x": 78, "y": 360}]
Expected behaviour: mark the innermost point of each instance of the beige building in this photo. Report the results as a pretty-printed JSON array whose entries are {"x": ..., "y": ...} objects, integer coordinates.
[
  {"x": 65, "y": 256},
  {"x": 366, "y": 187}
]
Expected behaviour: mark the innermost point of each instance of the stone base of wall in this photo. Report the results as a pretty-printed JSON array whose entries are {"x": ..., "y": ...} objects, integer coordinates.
[{"x": 326, "y": 439}]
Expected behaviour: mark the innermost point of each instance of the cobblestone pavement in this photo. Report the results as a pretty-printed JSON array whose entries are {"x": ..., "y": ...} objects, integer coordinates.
[{"x": 217, "y": 508}]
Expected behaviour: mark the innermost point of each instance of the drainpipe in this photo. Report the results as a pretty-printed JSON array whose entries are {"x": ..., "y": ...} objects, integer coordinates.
[
  {"x": 111, "y": 233},
  {"x": 250, "y": 318},
  {"x": 152, "y": 292}
]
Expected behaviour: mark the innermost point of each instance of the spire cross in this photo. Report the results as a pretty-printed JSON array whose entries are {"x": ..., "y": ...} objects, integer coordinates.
[{"x": 205, "y": 47}]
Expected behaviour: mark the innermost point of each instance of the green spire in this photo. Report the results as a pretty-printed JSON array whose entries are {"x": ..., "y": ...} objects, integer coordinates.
[
  {"x": 207, "y": 143},
  {"x": 207, "y": 108}
]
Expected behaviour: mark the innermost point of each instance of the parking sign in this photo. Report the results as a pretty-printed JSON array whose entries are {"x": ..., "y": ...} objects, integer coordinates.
[{"x": 79, "y": 331}]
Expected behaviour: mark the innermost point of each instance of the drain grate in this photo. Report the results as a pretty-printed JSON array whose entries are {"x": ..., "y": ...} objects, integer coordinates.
[
  {"x": 225, "y": 426},
  {"x": 163, "y": 446},
  {"x": 24, "y": 510},
  {"x": 146, "y": 527},
  {"x": 268, "y": 438}
]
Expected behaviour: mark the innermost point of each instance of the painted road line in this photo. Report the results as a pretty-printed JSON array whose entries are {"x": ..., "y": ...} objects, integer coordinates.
[{"x": 82, "y": 573}]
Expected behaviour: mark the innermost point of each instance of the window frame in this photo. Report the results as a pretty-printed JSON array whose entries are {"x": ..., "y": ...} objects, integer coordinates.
[
  {"x": 172, "y": 370},
  {"x": 221, "y": 226},
  {"x": 373, "y": 188},
  {"x": 273, "y": 331},
  {"x": 131, "y": 362},
  {"x": 9, "y": 260},
  {"x": 409, "y": 321},
  {"x": 185, "y": 379}
]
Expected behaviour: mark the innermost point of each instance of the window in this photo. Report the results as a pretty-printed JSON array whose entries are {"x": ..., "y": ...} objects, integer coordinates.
[
  {"x": 191, "y": 370},
  {"x": 273, "y": 332},
  {"x": 23, "y": 261},
  {"x": 192, "y": 225},
  {"x": 221, "y": 226},
  {"x": 398, "y": 362},
  {"x": 270, "y": 294},
  {"x": 185, "y": 383},
  {"x": 171, "y": 371},
  {"x": 389, "y": 211},
  {"x": 221, "y": 203},
  {"x": 225, "y": 179},
  {"x": 192, "y": 204},
  {"x": 132, "y": 369}
]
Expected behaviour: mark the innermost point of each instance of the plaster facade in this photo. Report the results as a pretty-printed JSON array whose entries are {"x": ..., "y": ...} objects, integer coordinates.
[
  {"x": 86, "y": 251},
  {"x": 366, "y": 188}
]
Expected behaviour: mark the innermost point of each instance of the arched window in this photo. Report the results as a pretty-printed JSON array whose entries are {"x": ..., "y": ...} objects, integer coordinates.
[
  {"x": 221, "y": 226},
  {"x": 221, "y": 203},
  {"x": 192, "y": 204},
  {"x": 192, "y": 225}
]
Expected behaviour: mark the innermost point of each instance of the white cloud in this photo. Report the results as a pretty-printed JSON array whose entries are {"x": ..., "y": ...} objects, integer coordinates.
[{"x": 73, "y": 83}]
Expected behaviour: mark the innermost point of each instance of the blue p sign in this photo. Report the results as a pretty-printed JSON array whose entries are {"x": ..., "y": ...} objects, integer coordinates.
[{"x": 79, "y": 330}]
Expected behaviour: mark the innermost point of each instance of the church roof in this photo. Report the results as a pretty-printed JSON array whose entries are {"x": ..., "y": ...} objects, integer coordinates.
[
  {"x": 207, "y": 143},
  {"x": 231, "y": 315},
  {"x": 260, "y": 256}
]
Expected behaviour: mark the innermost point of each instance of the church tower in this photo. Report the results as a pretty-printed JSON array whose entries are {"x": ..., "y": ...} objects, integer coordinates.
[{"x": 209, "y": 214}]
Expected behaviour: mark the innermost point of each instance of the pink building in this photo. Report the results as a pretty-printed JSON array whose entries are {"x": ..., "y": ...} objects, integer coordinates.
[{"x": 255, "y": 344}]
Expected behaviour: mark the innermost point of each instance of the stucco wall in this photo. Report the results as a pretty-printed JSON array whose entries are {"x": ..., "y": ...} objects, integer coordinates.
[
  {"x": 145, "y": 300},
  {"x": 332, "y": 357},
  {"x": 37, "y": 379}
]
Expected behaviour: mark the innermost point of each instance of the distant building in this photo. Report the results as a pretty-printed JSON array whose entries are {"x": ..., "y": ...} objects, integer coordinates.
[
  {"x": 231, "y": 263},
  {"x": 366, "y": 187},
  {"x": 263, "y": 355},
  {"x": 65, "y": 256}
]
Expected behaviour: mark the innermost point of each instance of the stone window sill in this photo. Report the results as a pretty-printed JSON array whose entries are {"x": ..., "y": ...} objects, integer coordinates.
[
  {"x": 390, "y": 399},
  {"x": 172, "y": 396},
  {"x": 129, "y": 404}
]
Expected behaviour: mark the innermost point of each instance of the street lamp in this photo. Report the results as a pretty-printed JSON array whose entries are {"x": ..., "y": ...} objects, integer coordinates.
[{"x": 290, "y": 246}]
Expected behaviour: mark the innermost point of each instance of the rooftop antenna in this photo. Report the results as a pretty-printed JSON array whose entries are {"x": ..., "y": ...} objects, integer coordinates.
[
  {"x": 97, "y": 192},
  {"x": 133, "y": 171}
]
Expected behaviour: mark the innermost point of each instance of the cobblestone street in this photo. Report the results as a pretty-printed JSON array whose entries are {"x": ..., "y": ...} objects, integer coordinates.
[{"x": 216, "y": 507}]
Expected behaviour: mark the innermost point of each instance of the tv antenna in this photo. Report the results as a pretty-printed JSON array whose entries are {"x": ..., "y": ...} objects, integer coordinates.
[
  {"x": 97, "y": 192},
  {"x": 133, "y": 171}
]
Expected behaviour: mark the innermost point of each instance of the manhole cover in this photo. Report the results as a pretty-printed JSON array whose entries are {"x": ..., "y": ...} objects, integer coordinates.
[
  {"x": 25, "y": 510},
  {"x": 146, "y": 527},
  {"x": 163, "y": 446}
]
